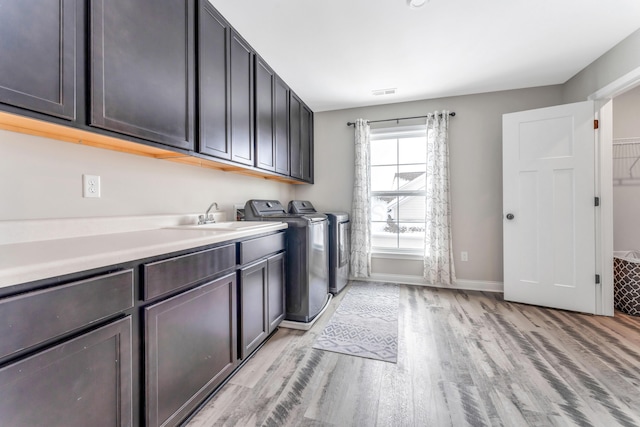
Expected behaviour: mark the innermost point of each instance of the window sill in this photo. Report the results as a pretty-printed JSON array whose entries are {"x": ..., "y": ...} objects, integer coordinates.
[{"x": 397, "y": 255}]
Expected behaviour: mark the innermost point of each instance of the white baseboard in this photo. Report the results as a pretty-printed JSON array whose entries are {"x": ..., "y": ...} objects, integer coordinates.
[
  {"x": 479, "y": 285},
  {"x": 468, "y": 285}
]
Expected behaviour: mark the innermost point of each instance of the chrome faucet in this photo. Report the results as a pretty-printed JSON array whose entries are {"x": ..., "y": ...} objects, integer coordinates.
[{"x": 207, "y": 218}]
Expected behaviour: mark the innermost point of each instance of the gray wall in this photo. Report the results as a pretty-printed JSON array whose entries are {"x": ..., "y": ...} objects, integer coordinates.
[
  {"x": 626, "y": 114},
  {"x": 42, "y": 178},
  {"x": 620, "y": 60},
  {"x": 626, "y": 198},
  {"x": 476, "y": 170}
]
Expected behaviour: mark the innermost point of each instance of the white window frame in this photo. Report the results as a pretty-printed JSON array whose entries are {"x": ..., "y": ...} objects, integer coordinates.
[{"x": 398, "y": 132}]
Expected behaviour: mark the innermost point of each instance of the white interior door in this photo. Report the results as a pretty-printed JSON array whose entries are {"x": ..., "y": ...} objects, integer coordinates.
[{"x": 549, "y": 209}]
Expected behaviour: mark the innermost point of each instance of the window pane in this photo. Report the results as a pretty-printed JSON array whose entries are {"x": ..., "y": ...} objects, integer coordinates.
[
  {"x": 398, "y": 164},
  {"x": 383, "y": 235},
  {"x": 411, "y": 240},
  {"x": 410, "y": 211},
  {"x": 412, "y": 177},
  {"x": 411, "y": 221},
  {"x": 384, "y": 152},
  {"x": 383, "y": 178},
  {"x": 412, "y": 150},
  {"x": 382, "y": 208}
]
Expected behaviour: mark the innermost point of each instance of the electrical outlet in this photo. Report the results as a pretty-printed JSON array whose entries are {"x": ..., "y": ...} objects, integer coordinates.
[
  {"x": 464, "y": 256},
  {"x": 90, "y": 186}
]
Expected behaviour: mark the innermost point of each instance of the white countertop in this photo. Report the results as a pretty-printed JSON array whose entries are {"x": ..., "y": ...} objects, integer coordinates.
[{"x": 29, "y": 261}]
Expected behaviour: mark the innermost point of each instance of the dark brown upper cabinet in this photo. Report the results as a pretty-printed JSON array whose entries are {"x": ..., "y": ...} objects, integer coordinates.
[
  {"x": 213, "y": 79},
  {"x": 281, "y": 112},
  {"x": 226, "y": 89},
  {"x": 241, "y": 103},
  {"x": 306, "y": 143},
  {"x": 272, "y": 120},
  {"x": 301, "y": 139},
  {"x": 38, "y": 51},
  {"x": 149, "y": 72},
  {"x": 294, "y": 135},
  {"x": 265, "y": 115},
  {"x": 143, "y": 69}
]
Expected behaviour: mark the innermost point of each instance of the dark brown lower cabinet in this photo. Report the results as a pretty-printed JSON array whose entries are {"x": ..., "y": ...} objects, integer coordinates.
[
  {"x": 261, "y": 301},
  {"x": 137, "y": 344},
  {"x": 84, "y": 381},
  {"x": 276, "y": 304},
  {"x": 190, "y": 348},
  {"x": 254, "y": 326}
]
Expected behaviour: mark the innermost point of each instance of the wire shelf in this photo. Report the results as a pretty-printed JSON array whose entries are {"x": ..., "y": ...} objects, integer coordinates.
[{"x": 626, "y": 161}]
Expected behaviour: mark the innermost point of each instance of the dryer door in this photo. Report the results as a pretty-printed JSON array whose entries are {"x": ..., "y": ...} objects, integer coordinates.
[{"x": 344, "y": 243}]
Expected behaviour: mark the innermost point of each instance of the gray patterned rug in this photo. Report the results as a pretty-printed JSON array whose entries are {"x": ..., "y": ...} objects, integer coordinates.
[{"x": 365, "y": 324}]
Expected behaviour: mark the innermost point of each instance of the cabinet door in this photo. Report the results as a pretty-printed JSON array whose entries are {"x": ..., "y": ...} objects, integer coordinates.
[
  {"x": 38, "y": 51},
  {"x": 254, "y": 326},
  {"x": 86, "y": 381},
  {"x": 276, "y": 306},
  {"x": 306, "y": 143},
  {"x": 190, "y": 348},
  {"x": 281, "y": 113},
  {"x": 241, "y": 108},
  {"x": 142, "y": 69},
  {"x": 295, "y": 106},
  {"x": 265, "y": 118},
  {"x": 301, "y": 139},
  {"x": 214, "y": 79}
]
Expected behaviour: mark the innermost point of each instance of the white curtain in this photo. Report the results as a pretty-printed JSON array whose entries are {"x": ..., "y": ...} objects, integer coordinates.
[
  {"x": 360, "y": 263},
  {"x": 438, "y": 254}
]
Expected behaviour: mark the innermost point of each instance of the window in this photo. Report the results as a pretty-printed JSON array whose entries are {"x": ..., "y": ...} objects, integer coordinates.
[{"x": 398, "y": 179}]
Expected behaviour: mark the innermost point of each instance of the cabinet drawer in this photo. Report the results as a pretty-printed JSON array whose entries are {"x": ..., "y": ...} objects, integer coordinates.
[
  {"x": 168, "y": 275},
  {"x": 35, "y": 317},
  {"x": 251, "y": 250},
  {"x": 86, "y": 381}
]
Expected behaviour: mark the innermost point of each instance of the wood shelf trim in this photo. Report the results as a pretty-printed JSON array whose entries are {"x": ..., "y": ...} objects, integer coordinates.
[{"x": 30, "y": 126}]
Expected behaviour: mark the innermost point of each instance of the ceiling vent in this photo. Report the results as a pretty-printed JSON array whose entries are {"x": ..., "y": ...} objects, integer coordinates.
[
  {"x": 415, "y": 4},
  {"x": 379, "y": 92}
]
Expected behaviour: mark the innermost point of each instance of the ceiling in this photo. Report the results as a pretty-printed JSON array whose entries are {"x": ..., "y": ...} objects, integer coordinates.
[{"x": 334, "y": 53}]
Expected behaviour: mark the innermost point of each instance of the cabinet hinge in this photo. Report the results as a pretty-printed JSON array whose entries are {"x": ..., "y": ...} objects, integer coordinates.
[
  {"x": 597, "y": 279},
  {"x": 596, "y": 124},
  {"x": 596, "y": 201}
]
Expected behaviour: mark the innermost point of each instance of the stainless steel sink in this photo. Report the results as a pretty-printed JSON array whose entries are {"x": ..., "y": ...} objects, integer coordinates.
[{"x": 228, "y": 226}]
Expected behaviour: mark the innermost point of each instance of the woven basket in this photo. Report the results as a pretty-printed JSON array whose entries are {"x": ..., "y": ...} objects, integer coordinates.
[{"x": 626, "y": 282}]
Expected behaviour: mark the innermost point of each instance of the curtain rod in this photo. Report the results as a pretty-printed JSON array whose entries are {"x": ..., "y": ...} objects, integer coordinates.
[{"x": 451, "y": 114}]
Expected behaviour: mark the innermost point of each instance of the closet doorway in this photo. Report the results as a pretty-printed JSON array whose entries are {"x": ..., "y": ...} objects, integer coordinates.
[{"x": 626, "y": 171}]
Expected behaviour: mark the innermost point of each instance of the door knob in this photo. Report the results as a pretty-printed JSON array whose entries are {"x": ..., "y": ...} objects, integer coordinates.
[{"x": 510, "y": 216}]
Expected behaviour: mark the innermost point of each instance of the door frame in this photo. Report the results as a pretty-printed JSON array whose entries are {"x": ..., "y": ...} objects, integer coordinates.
[{"x": 603, "y": 98}]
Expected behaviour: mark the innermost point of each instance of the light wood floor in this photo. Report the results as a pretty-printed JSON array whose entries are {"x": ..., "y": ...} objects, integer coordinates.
[{"x": 464, "y": 359}]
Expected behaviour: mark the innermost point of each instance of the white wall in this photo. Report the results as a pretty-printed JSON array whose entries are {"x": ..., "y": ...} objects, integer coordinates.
[
  {"x": 42, "y": 178},
  {"x": 476, "y": 170},
  {"x": 626, "y": 198}
]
